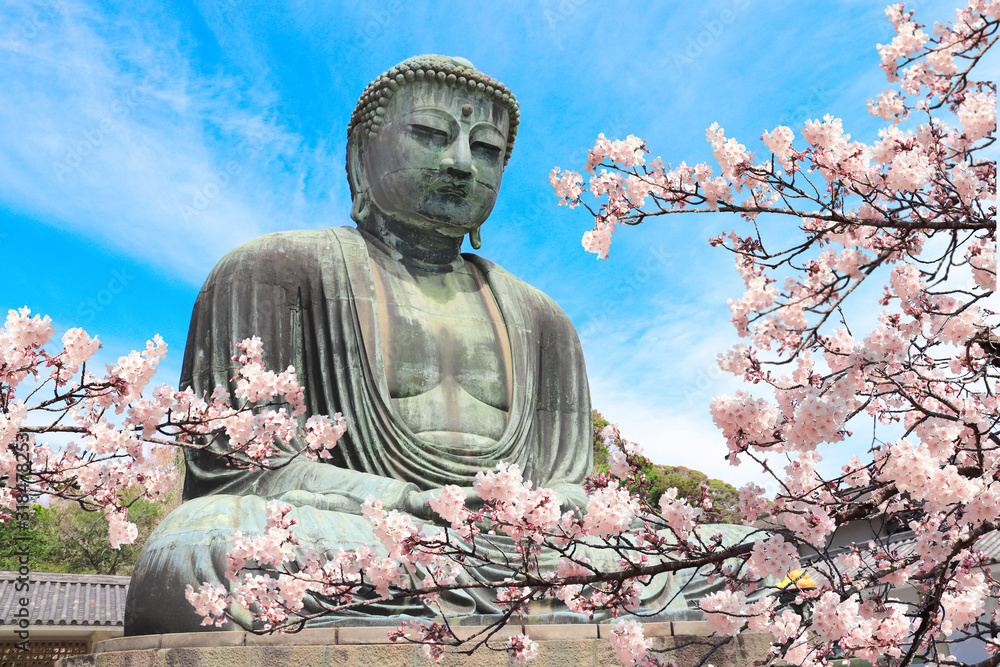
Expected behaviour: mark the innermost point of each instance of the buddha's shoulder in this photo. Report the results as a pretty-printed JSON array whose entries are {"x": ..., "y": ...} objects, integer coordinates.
[
  {"x": 288, "y": 252},
  {"x": 297, "y": 243}
]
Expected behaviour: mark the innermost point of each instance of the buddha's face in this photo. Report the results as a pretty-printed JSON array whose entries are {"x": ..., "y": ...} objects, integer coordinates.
[{"x": 437, "y": 160}]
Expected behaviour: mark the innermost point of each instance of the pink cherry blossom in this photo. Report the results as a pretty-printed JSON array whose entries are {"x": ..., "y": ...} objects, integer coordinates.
[
  {"x": 678, "y": 513},
  {"x": 910, "y": 214},
  {"x": 779, "y": 142},
  {"x": 522, "y": 648},
  {"x": 598, "y": 240},
  {"x": 978, "y": 115},
  {"x": 78, "y": 347},
  {"x": 725, "y": 611},
  {"x": 120, "y": 529},
  {"x": 834, "y": 618},
  {"x": 210, "y": 602},
  {"x": 450, "y": 504},
  {"x": 323, "y": 433},
  {"x": 610, "y": 510},
  {"x": 568, "y": 186},
  {"x": 627, "y": 640},
  {"x": 772, "y": 558}
]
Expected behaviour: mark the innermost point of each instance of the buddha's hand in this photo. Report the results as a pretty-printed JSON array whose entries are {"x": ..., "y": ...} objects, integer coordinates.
[
  {"x": 328, "y": 502},
  {"x": 571, "y": 497},
  {"x": 415, "y": 503}
]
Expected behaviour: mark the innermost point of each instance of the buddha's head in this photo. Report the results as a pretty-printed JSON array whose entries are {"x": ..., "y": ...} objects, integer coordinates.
[{"x": 427, "y": 145}]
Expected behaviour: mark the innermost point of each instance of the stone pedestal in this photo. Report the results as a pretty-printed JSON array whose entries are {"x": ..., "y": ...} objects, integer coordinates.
[{"x": 579, "y": 645}]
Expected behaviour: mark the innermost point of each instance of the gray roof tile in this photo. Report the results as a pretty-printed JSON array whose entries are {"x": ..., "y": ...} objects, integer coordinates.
[{"x": 66, "y": 599}]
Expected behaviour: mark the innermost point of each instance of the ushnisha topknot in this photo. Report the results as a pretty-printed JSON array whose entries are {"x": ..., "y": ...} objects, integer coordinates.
[{"x": 457, "y": 72}]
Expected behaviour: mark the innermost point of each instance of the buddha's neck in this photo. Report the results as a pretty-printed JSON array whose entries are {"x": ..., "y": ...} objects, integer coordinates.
[{"x": 421, "y": 248}]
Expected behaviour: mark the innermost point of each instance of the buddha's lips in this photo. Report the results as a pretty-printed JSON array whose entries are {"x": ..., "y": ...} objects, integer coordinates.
[{"x": 454, "y": 189}]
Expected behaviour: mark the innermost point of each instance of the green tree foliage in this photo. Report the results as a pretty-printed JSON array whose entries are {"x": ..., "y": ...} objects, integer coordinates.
[
  {"x": 24, "y": 542},
  {"x": 80, "y": 538},
  {"x": 725, "y": 498}
]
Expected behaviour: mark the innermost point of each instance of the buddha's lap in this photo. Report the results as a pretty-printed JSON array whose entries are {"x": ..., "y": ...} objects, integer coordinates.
[
  {"x": 200, "y": 533},
  {"x": 189, "y": 547}
]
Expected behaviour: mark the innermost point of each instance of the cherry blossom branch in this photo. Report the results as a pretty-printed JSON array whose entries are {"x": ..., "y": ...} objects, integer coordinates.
[{"x": 112, "y": 457}]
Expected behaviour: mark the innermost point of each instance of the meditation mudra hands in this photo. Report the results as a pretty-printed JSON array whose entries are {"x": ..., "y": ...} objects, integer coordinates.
[
  {"x": 328, "y": 502},
  {"x": 414, "y": 502}
]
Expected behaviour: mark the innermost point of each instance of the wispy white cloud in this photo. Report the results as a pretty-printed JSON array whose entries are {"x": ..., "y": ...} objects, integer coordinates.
[{"x": 106, "y": 128}]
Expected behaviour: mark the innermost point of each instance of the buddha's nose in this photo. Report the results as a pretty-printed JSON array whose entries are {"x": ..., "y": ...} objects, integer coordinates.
[{"x": 458, "y": 163}]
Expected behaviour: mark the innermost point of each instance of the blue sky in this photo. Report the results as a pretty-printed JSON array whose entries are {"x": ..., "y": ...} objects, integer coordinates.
[{"x": 139, "y": 142}]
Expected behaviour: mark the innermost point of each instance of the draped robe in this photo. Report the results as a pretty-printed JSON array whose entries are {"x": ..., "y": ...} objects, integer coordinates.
[{"x": 309, "y": 296}]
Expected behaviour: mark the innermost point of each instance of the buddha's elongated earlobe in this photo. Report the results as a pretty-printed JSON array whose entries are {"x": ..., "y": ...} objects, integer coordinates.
[
  {"x": 476, "y": 238},
  {"x": 361, "y": 202},
  {"x": 361, "y": 207}
]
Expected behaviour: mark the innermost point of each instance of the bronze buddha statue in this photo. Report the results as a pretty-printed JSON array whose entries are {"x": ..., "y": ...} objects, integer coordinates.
[{"x": 442, "y": 363}]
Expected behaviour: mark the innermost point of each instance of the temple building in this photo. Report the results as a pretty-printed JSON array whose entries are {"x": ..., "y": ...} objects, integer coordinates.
[{"x": 66, "y": 614}]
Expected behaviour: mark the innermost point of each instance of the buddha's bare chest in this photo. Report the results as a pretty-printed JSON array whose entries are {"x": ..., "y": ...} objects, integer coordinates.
[{"x": 442, "y": 338}]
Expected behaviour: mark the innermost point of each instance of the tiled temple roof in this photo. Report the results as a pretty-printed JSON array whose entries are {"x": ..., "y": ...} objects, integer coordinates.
[{"x": 66, "y": 599}]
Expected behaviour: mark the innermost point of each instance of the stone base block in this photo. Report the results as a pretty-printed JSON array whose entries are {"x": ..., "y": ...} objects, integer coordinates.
[{"x": 580, "y": 645}]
